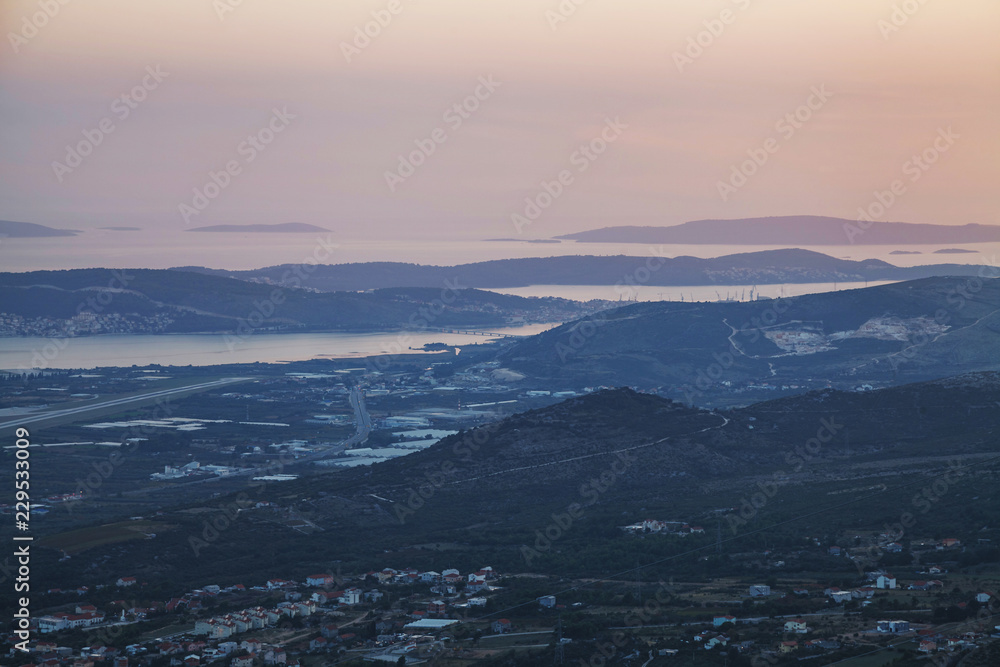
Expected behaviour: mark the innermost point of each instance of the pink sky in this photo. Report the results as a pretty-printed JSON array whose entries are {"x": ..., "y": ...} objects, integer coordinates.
[{"x": 683, "y": 126}]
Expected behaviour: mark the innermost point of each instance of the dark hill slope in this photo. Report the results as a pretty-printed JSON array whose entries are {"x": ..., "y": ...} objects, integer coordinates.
[
  {"x": 200, "y": 302},
  {"x": 887, "y": 334}
]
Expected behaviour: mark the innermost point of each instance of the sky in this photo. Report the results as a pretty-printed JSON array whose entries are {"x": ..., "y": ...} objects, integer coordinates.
[{"x": 571, "y": 115}]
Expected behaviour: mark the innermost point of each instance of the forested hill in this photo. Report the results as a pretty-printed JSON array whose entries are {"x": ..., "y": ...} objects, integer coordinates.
[{"x": 177, "y": 301}]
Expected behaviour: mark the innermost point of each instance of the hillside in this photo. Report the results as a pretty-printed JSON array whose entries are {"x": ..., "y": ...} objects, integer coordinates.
[
  {"x": 162, "y": 301},
  {"x": 792, "y": 230},
  {"x": 699, "y": 351},
  {"x": 606, "y": 459}
]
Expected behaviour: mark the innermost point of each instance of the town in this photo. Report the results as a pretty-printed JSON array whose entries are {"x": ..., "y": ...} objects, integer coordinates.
[{"x": 409, "y": 616}]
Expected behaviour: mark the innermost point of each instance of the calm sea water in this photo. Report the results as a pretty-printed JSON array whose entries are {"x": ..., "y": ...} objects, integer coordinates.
[
  {"x": 161, "y": 249},
  {"x": 212, "y": 349}
]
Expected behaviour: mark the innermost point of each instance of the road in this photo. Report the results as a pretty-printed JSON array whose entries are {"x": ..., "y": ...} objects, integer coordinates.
[
  {"x": 361, "y": 418},
  {"x": 117, "y": 402}
]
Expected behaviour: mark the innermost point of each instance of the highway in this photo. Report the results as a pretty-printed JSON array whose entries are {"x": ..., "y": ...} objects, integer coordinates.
[
  {"x": 361, "y": 418},
  {"x": 116, "y": 402}
]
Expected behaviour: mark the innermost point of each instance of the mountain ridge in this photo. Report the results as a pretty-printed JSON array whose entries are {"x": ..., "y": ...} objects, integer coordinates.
[{"x": 792, "y": 230}]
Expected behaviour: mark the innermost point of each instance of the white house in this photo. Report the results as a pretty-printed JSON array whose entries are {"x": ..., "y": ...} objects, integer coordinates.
[
  {"x": 351, "y": 596},
  {"x": 797, "y": 625},
  {"x": 885, "y": 581},
  {"x": 719, "y": 621},
  {"x": 760, "y": 591}
]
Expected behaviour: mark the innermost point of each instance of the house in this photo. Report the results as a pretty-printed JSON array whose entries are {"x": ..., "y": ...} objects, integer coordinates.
[
  {"x": 320, "y": 580},
  {"x": 949, "y": 542},
  {"x": 716, "y": 640},
  {"x": 834, "y": 551},
  {"x": 501, "y": 626},
  {"x": 863, "y": 593},
  {"x": 228, "y": 647},
  {"x": 275, "y": 656},
  {"x": 760, "y": 591},
  {"x": 885, "y": 581},
  {"x": 476, "y": 587},
  {"x": 318, "y": 643},
  {"x": 437, "y": 608},
  {"x": 927, "y": 646},
  {"x": 893, "y": 626},
  {"x": 796, "y": 625},
  {"x": 788, "y": 647},
  {"x": 351, "y": 596},
  {"x": 983, "y": 597},
  {"x": 325, "y": 597},
  {"x": 719, "y": 621},
  {"x": 252, "y": 645},
  {"x": 430, "y": 576},
  {"x": 919, "y": 586},
  {"x": 274, "y": 584},
  {"x": 243, "y": 661},
  {"x": 841, "y": 596},
  {"x": 125, "y": 581}
]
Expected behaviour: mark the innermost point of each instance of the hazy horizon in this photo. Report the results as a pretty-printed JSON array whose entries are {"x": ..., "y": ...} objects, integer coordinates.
[{"x": 675, "y": 119}]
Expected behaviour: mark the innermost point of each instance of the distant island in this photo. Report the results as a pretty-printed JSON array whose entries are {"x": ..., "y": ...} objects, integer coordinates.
[
  {"x": 281, "y": 228},
  {"x": 906, "y": 252},
  {"x": 799, "y": 230},
  {"x": 769, "y": 267},
  {"x": 122, "y": 229},
  {"x": 954, "y": 251},
  {"x": 28, "y": 230}
]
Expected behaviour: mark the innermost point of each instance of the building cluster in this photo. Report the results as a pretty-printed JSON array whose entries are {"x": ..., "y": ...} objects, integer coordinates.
[
  {"x": 193, "y": 469},
  {"x": 318, "y": 603},
  {"x": 83, "y": 324},
  {"x": 656, "y": 526}
]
